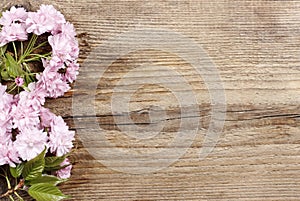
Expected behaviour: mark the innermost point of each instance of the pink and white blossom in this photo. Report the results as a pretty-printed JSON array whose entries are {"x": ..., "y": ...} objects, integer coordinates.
[
  {"x": 19, "y": 81},
  {"x": 71, "y": 72},
  {"x": 64, "y": 46},
  {"x": 25, "y": 115},
  {"x": 30, "y": 142},
  {"x": 60, "y": 137},
  {"x": 47, "y": 117},
  {"x": 68, "y": 29},
  {"x": 6, "y": 103},
  {"x": 46, "y": 19},
  {"x": 37, "y": 95},
  {"x": 8, "y": 154},
  {"x": 14, "y": 32},
  {"x": 65, "y": 173},
  {"x": 38, "y": 23},
  {"x": 13, "y": 15},
  {"x": 53, "y": 83}
]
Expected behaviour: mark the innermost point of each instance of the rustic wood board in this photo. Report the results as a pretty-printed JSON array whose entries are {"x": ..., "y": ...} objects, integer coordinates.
[{"x": 256, "y": 47}]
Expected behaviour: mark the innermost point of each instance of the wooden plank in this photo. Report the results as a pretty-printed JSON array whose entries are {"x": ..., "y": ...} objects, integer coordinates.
[{"x": 254, "y": 45}]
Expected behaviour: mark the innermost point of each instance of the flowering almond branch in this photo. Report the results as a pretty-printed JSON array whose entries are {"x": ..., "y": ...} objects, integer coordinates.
[{"x": 38, "y": 60}]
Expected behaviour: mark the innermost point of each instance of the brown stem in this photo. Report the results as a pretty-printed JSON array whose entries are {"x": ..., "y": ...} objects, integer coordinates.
[{"x": 11, "y": 191}]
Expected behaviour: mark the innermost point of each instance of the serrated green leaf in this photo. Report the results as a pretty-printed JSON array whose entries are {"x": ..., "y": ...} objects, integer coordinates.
[
  {"x": 34, "y": 168},
  {"x": 4, "y": 75},
  {"x": 53, "y": 161},
  {"x": 46, "y": 192},
  {"x": 17, "y": 171},
  {"x": 48, "y": 179},
  {"x": 12, "y": 66},
  {"x": 56, "y": 168}
]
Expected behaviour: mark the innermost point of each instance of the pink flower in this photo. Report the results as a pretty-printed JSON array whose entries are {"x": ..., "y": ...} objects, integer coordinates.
[
  {"x": 13, "y": 15},
  {"x": 46, "y": 19},
  {"x": 6, "y": 102},
  {"x": 38, "y": 23},
  {"x": 14, "y": 32},
  {"x": 54, "y": 64},
  {"x": 53, "y": 83},
  {"x": 65, "y": 173},
  {"x": 47, "y": 117},
  {"x": 68, "y": 29},
  {"x": 36, "y": 95},
  {"x": 60, "y": 138},
  {"x": 24, "y": 115},
  {"x": 55, "y": 16},
  {"x": 71, "y": 72},
  {"x": 30, "y": 142},
  {"x": 19, "y": 81},
  {"x": 4, "y": 136},
  {"x": 64, "y": 46},
  {"x": 8, "y": 154}
]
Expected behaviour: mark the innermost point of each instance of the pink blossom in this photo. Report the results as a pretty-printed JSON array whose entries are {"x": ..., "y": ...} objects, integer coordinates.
[
  {"x": 19, "y": 81},
  {"x": 65, "y": 173},
  {"x": 68, "y": 29},
  {"x": 64, "y": 47},
  {"x": 4, "y": 136},
  {"x": 14, "y": 32},
  {"x": 54, "y": 64},
  {"x": 30, "y": 142},
  {"x": 60, "y": 137},
  {"x": 5, "y": 98},
  {"x": 38, "y": 23},
  {"x": 13, "y": 15},
  {"x": 24, "y": 116},
  {"x": 71, "y": 72},
  {"x": 36, "y": 95},
  {"x": 53, "y": 83},
  {"x": 75, "y": 48},
  {"x": 55, "y": 16},
  {"x": 47, "y": 117},
  {"x": 8, "y": 154},
  {"x": 6, "y": 102},
  {"x": 46, "y": 19}
]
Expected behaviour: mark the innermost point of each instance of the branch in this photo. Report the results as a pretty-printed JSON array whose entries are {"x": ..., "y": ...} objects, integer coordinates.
[{"x": 11, "y": 191}]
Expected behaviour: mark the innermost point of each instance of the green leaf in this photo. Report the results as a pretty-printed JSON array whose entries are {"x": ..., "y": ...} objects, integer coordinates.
[
  {"x": 3, "y": 50},
  {"x": 17, "y": 171},
  {"x": 1, "y": 63},
  {"x": 53, "y": 161},
  {"x": 12, "y": 66},
  {"x": 28, "y": 79},
  {"x": 34, "y": 168},
  {"x": 46, "y": 192},
  {"x": 5, "y": 75},
  {"x": 56, "y": 168},
  {"x": 47, "y": 179}
]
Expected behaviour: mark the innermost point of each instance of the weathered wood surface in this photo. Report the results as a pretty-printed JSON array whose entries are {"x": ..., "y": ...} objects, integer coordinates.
[{"x": 256, "y": 47}]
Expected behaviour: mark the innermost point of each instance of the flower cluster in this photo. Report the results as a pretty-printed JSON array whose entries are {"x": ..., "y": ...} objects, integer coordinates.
[{"x": 26, "y": 126}]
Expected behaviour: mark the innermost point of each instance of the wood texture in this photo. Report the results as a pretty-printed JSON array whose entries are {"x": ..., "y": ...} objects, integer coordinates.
[{"x": 256, "y": 48}]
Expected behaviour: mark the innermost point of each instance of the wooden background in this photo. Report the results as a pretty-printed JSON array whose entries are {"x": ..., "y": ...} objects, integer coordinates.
[{"x": 256, "y": 48}]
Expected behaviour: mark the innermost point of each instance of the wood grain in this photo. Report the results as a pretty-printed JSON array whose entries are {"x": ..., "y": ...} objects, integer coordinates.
[{"x": 254, "y": 45}]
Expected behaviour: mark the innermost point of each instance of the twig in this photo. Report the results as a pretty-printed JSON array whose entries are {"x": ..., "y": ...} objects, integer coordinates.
[{"x": 11, "y": 191}]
